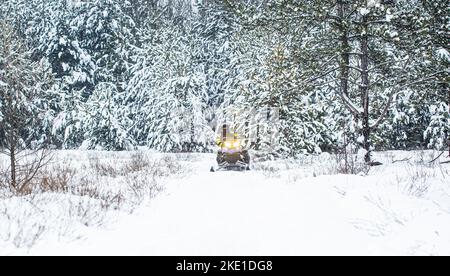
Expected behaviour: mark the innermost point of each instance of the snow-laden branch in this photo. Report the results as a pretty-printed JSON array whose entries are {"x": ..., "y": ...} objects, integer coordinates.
[
  {"x": 351, "y": 106},
  {"x": 395, "y": 92},
  {"x": 354, "y": 68},
  {"x": 324, "y": 74}
]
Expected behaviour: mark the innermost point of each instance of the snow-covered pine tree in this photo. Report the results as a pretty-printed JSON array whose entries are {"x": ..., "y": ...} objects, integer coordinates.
[
  {"x": 436, "y": 32},
  {"x": 281, "y": 67},
  {"x": 107, "y": 34},
  {"x": 372, "y": 72},
  {"x": 88, "y": 44},
  {"x": 167, "y": 92},
  {"x": 422, "y": 106},
  {"x": 23, "y": 85},
  {"x": 24, "y": 17},
  {"x": 374, "y": 67},
  {"x": 214, "y": 29},
  {"x": 105, "y": 123},
  {"x": 56, "y": 35}
]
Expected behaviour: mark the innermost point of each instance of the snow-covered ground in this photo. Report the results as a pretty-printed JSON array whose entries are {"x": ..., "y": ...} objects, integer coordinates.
[{"x": 288, "y": 207}]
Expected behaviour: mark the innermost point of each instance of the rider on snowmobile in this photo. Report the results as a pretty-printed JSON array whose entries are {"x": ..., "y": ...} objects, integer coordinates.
[
  {"x": 227, "y": 138},
  {"x": 231, "y": 151}
]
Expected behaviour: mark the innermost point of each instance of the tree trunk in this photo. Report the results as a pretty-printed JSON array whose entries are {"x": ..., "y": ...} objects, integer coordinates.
[
  {"x": 170, "y": 9},
  {"x": 344, "y": 67},
  {"x": 345, "y": 48},
  {"x": 12, "y": 160},
  {"x": 364, "y": 88},
  {"x": 448, "y": 107}
]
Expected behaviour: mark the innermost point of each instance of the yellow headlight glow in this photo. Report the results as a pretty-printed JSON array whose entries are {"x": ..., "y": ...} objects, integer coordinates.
[
  {"x": 228, "y": 144},
  {"x": 236, "y": 144}
]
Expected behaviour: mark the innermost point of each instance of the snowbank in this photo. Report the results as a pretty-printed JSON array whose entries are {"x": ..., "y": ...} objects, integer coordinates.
[{"x": 289, "y": 207}]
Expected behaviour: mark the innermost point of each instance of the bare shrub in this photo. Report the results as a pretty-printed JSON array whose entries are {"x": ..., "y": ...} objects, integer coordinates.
[
  {"x": 90, "y": 187},
  {"x": 64, "y": 197},
  {"x": 348, "y": 162},
  {"x": 142, "y": 188},
  {"x": 20, "y": 224},
  {"x": 340, "y": 163},
  {"x": 4, "y": 186},
  {"x": 87, "y": 187},
  {"x": 445, "y": 171},
  {"x": 25, "y": 220},
  {"x": 188, "y": 157},
  {"x": 55, "y": 180},
  {"x": 166, "y": 166},
  {"x": 138, "y": 162},
  {"x": 103, "y": 168},
  {"x": 389, "y": 218},
  {"x": 139, "y": 175},
  {"x": 22, "y": 173},
  {"x": 87, "y": 211},
  {"x": 267, "y": 168},
  {"x": 418, "y": 180}
]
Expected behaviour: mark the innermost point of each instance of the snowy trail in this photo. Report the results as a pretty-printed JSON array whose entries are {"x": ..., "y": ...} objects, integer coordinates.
[
  {"x": 231, "y": 213},
  {"x": 243, "y": 213}
]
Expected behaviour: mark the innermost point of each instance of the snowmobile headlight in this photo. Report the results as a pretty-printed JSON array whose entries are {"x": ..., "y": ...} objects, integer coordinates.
[
  {"x": 236, "y": 144},
  {"x": 228, "y": 144}
]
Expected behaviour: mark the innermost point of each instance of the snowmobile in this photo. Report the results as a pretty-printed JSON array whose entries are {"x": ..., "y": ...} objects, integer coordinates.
[{"x": 231, "y": 155}]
